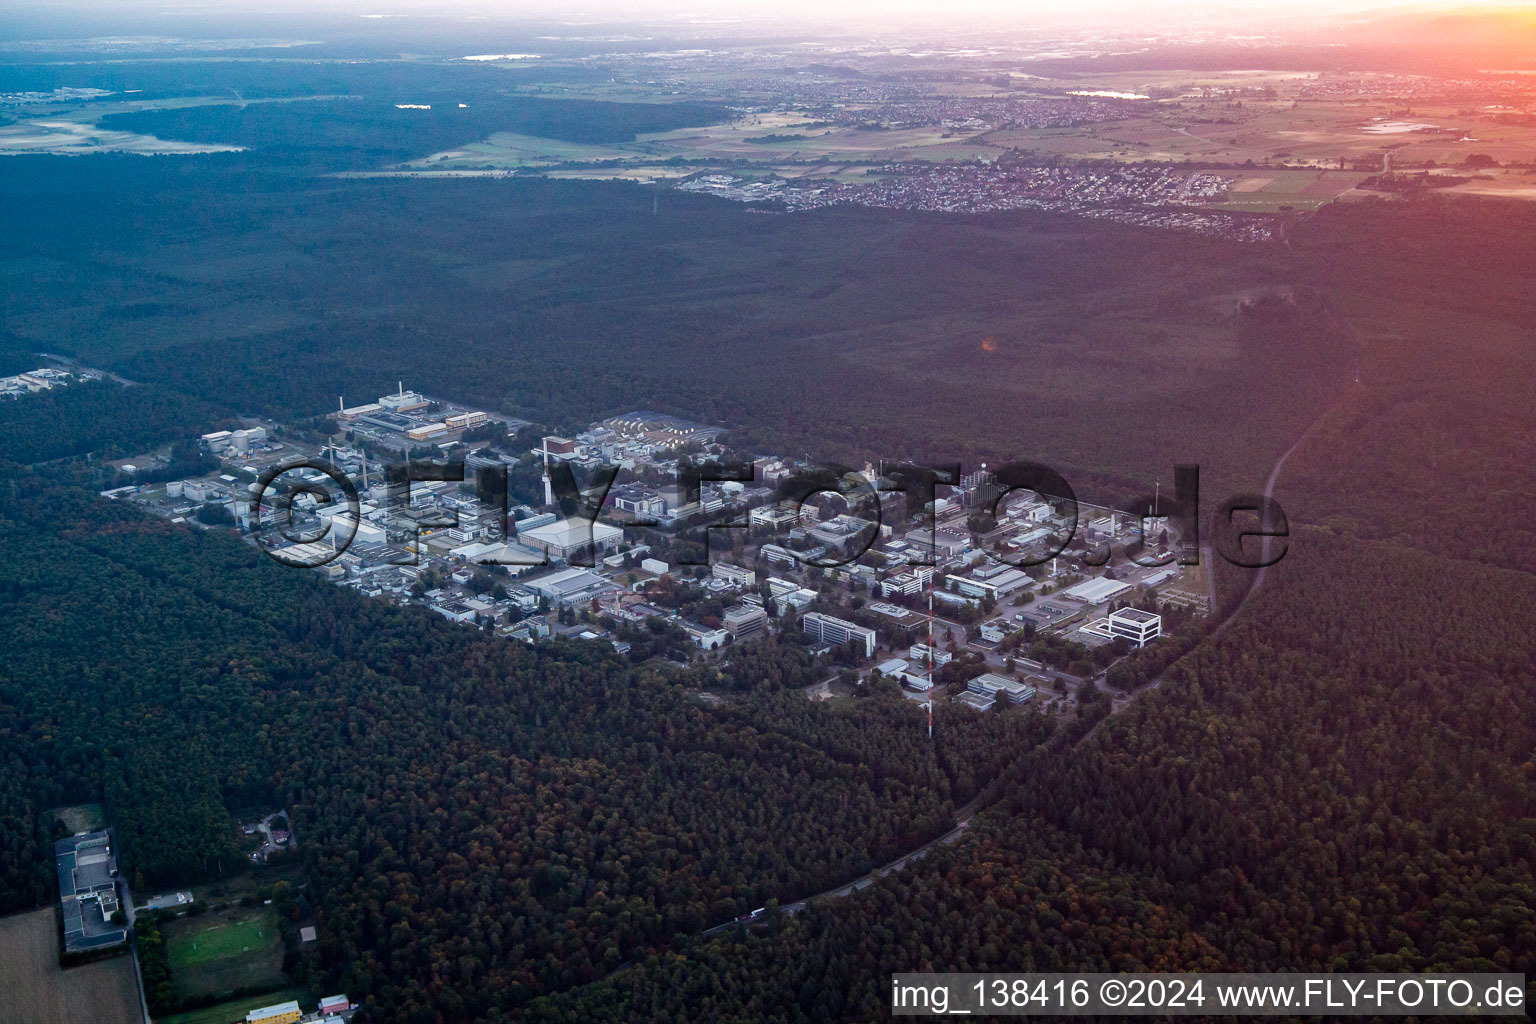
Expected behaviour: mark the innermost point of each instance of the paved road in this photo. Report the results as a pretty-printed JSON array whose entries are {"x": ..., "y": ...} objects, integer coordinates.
[
  {"x": 962, "y": 822},
  {"x": 75, "y": 367},
  {"x": 133, "y": 946},
  {"x": 966, "y": 813}
]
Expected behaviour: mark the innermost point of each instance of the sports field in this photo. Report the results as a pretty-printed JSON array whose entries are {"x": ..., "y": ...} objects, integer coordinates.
[
  {"x": 212, "y": 954},
  {"x": 37, "y": 991}
]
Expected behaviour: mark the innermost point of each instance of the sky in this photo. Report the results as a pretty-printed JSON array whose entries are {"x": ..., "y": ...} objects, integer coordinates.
[{"x": 935, "y": 18}]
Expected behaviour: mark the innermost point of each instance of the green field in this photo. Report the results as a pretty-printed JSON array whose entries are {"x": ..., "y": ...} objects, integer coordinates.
[
  {"x": 223, "y": 940},
  {"x": 236, "y": 1009},
  {"x": 228, "y": 951}
]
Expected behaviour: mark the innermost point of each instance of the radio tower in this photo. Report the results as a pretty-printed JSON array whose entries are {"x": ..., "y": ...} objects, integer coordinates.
[
  {"x": 930, "y": 654},
  {"x": 549, "y": 491}
]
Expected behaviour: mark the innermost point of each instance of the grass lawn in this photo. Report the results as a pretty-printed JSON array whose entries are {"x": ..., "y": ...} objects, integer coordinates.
[
  {"x": 228, "y": 951},
  {"x": 223, "y": 940},
  {"x": 235, "y": 1010}
]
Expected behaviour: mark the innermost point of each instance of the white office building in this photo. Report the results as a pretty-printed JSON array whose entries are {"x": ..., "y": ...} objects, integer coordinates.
[
  {"x": 735, "y": 575},
  {"x": 919, "y": 655},
  {"x": 831, "y": 630},
  {"x": 1135, "y": 625},
  {"x": 990, "y": 684}
]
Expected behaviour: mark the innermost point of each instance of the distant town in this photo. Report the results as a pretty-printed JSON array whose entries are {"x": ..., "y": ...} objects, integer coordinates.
[{"x": 1146, "y": 196}]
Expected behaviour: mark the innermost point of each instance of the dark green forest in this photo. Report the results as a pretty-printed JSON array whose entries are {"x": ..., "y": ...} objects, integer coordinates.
[
  {"x": 553, "y": 811},
  {"x": 100, "y": 418},
  {"x": 562, "y": 302}
]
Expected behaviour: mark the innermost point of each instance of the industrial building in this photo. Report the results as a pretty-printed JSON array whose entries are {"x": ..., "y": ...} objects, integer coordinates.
[
  {"x": 994, "y": 582},
  {"x": 563, "y": 539},
  {"x": 403, "y": 400},
  {"x": 570, "y": 586},
  {"x": 88, "y": 892},
  {"x": 1097, "y": 590}
]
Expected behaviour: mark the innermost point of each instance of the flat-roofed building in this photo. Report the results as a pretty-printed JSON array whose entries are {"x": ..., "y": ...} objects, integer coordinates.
[
  {"x": 979, "y": 701},
  {"x": 1135, "y": 625},
  {"x": 357, "y": 411},
  {"x": 776, "y": 517},
  {"x": 278, "y": 1013},
  {"x": 88, "y": 897},
  {"x": 1097, "y": 590},
  {"x": 799, "y": 600},
  {"x": 908, "y": 581},
  {"x": 706, "y": 637},
  {"x": 919, "y": 654},
  {"x": 994, "y": 584},
  {"x": 569, "y": 586},
  {"x": 733, "y": 574},
  {"x": 990, "y": 684},
  {"x": 778, "y": 587},
  {"x": 995, "y": 632},
  {"x": 427, "y": 431},
  {"x": 403, "y": 400},
  {"x": 832, "y": 630},
  {"x": 568, "y": 537},
  {"x": 557, "y": 447},
  {"x": 776, "y": 555},
  {"x": 744, "y": 621}
]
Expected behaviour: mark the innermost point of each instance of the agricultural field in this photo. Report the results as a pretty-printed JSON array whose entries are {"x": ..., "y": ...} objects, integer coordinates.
[
  {"x": 1279, "y": 189},
  {"x": 761, "y": 138},
  {"x": 226, "y": 951},
  {"x": 37, "y": 991},
  {"x": 1510, "y": 184},
  {"x": 66, "y": 137}
]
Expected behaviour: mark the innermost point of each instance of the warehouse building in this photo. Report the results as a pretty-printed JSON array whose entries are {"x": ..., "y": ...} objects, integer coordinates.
[
  {"x": 564, "y": 539},
  {"x": 1097, "y": 590}
]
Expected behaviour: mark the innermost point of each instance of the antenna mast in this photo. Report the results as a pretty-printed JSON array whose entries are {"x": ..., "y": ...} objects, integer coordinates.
[{"x": 930, "y": 653}]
